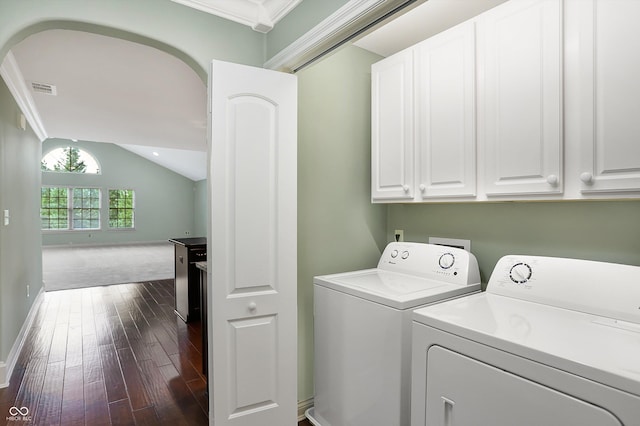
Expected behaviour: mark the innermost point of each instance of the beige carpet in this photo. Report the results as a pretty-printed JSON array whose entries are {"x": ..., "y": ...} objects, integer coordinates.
[{"x": 74, "y": 267}]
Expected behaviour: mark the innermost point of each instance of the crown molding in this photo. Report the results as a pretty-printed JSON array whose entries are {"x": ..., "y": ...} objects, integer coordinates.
[
  {"x": 260, "y": 15},
  {"x": 11, "y": 74},
  {"x": 334, "y": 30}
]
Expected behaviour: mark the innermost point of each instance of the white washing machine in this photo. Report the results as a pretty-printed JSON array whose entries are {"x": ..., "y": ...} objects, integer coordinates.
[
  {"x": 363, "y": 331},
  {"x": 550, "y": 342}
]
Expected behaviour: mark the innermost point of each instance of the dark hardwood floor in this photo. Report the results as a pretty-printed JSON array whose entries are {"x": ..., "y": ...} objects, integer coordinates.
[{"x": 114, "y": 355}]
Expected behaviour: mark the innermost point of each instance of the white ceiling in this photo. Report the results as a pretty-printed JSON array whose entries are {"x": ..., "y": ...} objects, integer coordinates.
[
  {"x": 112, "y": 90},
  {"x": 422, "y": 22},
  {"x": 146, "y": 101}
]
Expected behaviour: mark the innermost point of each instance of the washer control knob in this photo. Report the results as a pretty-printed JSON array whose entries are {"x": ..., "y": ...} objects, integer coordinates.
[
  {"x": 394, "y": 253},
  {"x": 447, "y": 260},
  {"x": 405, "y": 254},
  {"x": 520, "y": 273}
]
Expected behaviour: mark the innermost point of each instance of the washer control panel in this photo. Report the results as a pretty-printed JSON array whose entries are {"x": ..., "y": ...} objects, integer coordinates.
[{"x": 431, "y": 261}]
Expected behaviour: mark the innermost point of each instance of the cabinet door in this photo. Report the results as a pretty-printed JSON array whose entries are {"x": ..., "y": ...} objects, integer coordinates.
[
  {"x": 392, "y": 138},
  {"x": 610, "y": 124},
  {"x": 520, "y": 122},
  {"x": 446, "y": 138}
]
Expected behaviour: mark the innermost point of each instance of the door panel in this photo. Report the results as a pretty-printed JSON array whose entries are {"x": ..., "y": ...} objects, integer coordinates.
[
  {"x": 521, "y": 125},
  {"x": 464, "y": 392},
  {"x": 610, "y": 125},
  {"x": 392, "y": 152},
  {"x": 252, "y": 241},
  {"x": 445, "y": 80}
]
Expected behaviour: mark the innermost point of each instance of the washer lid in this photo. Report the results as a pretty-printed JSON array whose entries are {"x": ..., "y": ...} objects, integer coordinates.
[
  {"x": 601, "y": 349},
  {"x": 397, "y": 290}
]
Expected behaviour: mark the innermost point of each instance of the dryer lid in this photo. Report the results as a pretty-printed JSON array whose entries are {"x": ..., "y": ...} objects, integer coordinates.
[{"x": 601, "y": 349}]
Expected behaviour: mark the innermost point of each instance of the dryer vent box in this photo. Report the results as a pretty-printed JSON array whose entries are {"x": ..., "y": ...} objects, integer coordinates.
[{"x": 451, "y": 242}]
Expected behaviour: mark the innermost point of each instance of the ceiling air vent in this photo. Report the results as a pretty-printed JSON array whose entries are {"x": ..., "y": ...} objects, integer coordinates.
[{"x": 47, "y": 89}]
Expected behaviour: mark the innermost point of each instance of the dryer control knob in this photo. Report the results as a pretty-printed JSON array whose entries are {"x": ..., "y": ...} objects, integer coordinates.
[
  {"x": 447, "y": 260},
  {"x": 520, "y": 273}
]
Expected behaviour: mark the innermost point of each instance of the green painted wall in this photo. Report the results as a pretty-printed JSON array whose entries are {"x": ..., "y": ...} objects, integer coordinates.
[
  {"x": 305, "y": 16},
  {"x": 338, "y": 227},
  {"x": 164, "y": 200},
  {"x": 606, "y": 231},
  {"x": 20, "y": 247}
]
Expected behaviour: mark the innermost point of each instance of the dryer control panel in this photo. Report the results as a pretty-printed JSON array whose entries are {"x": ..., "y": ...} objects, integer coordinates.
[
  {"x": 436, "y": 262},
  {"x": 606, "y": 289}
]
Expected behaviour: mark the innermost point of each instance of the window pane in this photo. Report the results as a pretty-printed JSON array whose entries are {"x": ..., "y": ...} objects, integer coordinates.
[
  {"x": 121, "y": 208},
  {"x": 86, "y": 208},
  {"x": 53, "y": 208},
  {"x": 69, "y": 160}
]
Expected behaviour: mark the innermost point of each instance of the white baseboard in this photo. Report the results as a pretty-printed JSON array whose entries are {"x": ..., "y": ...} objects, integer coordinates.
[
  {"x": 304, "y": 406},
  {"x": 6, "y": 368}
]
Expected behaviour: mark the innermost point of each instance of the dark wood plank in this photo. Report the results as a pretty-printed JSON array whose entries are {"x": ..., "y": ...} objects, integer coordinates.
[
  {"x": 183, "y": 396},
  {"x": 59, "y": 343},
  {"x": 92, "y": 368},
  {"x": 135, "y": 387},
  {"x": 146, "y": 416},
  {"x": 166, "y": 408},
  {"x": 198, "y": 388},
  {"x": 50, "y": 402},
  {"x": 112, "y": 373},
  {"x": 117, "y": 332},
  {"x": 31, "y": 385},
  {"x": 184, "y": 364},
  {"x": 121, "y": 414},
  {"x": 72, "y": 413},
  {"x": 96, "y": 406}
]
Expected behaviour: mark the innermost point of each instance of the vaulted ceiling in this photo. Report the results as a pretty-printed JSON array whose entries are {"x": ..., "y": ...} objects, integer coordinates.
[{"x": 83, "y": 86}]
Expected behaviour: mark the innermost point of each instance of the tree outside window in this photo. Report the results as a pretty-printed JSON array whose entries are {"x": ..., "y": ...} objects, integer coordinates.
[
  {"x": 121, "y": 208},
  {"x": 58, "y": 205},
  {"x": 54, "y": 208},
  {"x": 69, "y": 160}
]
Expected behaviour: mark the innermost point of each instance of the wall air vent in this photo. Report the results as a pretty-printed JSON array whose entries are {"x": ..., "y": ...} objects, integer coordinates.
[{"x": 47, "y": 89}]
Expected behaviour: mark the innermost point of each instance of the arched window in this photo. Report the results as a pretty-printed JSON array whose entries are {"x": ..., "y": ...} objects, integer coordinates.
[{"x": 69, "y": 160}]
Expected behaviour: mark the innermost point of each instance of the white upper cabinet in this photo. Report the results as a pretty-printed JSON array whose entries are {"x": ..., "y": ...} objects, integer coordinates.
[
  {"x": 520, "y": 93},
  {"x": 530, "y": 100},
  {"x": 445, "y": 114},
  {"x": 392, "y": 138},
  {"x": 610, "y": 119}
]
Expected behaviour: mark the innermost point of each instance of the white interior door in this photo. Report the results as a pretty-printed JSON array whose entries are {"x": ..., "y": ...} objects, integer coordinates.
[{"x": 252, "y": 246}]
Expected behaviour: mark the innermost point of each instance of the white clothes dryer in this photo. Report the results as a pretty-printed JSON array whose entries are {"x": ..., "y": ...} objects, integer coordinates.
[
  {"x": 551, "y": 341},
  {"x": 362, "y": 324}
]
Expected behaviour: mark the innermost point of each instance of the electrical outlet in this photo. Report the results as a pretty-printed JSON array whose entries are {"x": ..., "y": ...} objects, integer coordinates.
[
  {"x": 398, "y": 235},
  {"x": 27, "y": 291},
  {"x": 187, "y": 233}
]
